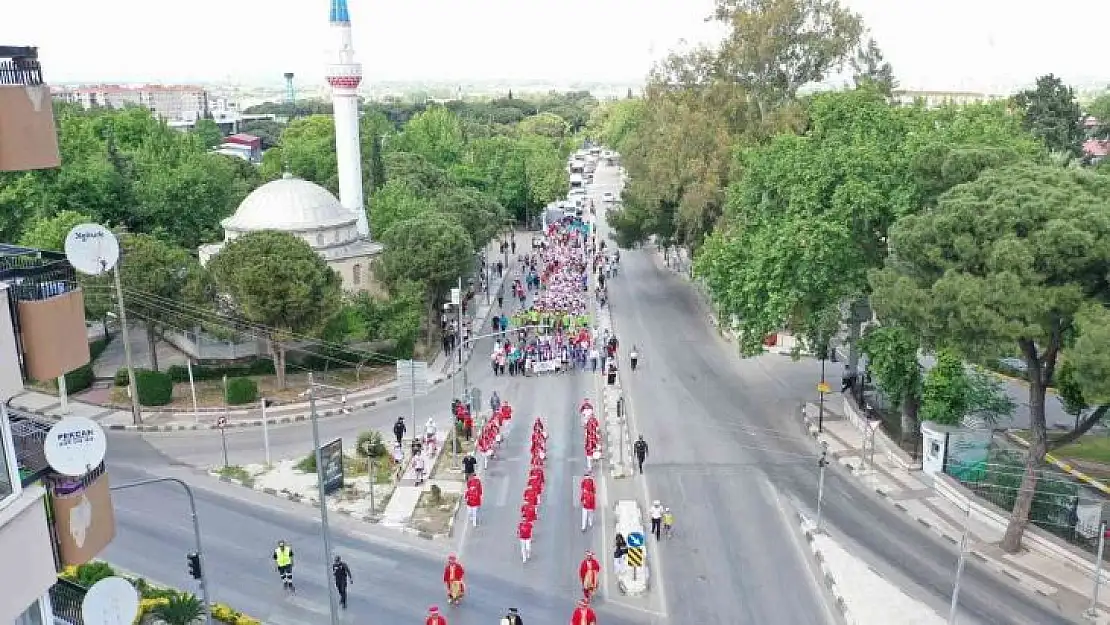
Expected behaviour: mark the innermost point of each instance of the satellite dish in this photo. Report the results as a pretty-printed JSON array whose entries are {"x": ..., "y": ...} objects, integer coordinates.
[
  {"x": 111, "y": 601},
  {"x": 74, "y": 445},
  {"x": 92, "y": 249}
]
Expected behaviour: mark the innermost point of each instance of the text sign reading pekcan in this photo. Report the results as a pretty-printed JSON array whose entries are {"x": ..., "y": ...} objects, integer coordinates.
[
  {"x": 111, "y": 601},
  {"x": 92, "y": 249},
  {"x": 635, "y": 539},
  {"x": 74, "y": 446}
]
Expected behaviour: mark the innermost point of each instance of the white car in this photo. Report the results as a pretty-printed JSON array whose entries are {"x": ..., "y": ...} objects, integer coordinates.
[{"x": 608, "y": 198}]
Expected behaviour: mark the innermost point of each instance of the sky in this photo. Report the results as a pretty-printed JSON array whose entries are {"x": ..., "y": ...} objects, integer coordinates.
[{"x": 976, "y": 45}]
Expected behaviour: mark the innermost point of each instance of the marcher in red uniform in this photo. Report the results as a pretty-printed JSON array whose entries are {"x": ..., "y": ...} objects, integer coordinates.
[
  {"x": 524, "y": 533},
  {"x": 473, "y": 499},
  {"x": 583, "y": 614},
  {"x": 593, "y": 425},
  {"x": 536, "y": 474},
  {"x": 539, "y": 428},
  {"x": 434, "y": 617},
  {"x": 531, "y": 496},
  {"x": 588, "y": 483},
  {"x": 453, "y": 575},
  {"x": 588, "y": 499},
  {"x": 585, "y": 405},
  {"x": 535, "y": 480},
  {"x": 589, "y": 573},
  {"x": 528, "y": 512}
]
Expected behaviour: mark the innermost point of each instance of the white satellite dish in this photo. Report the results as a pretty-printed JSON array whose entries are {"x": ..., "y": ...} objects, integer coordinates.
[
  {"x": 92, "y": 249},
  {"x": 111, "y": 601},
  {"x": 75, "y": 445}
]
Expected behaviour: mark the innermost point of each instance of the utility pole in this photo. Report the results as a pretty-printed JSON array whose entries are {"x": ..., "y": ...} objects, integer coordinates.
[
  {"x": 822, "y": 462},
  {"x": 203, "y": 577},
  {"x": 323, "y": 499},
  {"x": 1092, "y": 611},
  {"x": 960, "y": 567},
  {"x": 132, "y": 388}
]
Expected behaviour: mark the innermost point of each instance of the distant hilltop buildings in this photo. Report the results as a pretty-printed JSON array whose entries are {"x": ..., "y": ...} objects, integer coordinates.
[{"x": 933, "y": 99}]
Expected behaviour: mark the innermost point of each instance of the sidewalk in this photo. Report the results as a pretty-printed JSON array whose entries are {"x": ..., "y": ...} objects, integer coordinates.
[
  {"x": 935, "y": 506},
  {"x": 855, "y": 586},
  {"x": 443, "y": 368}
]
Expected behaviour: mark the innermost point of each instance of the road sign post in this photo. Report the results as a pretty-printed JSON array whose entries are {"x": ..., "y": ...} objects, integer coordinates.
[
  {"x": 412, "y": 382},
  {"x": 635, "y": 542},
  {"x": 822, "y": 462},
  {"x": 221, "y": 423}
]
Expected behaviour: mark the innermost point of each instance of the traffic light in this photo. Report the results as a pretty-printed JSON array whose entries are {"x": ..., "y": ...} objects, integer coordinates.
[{"x": 194, "y": 565}]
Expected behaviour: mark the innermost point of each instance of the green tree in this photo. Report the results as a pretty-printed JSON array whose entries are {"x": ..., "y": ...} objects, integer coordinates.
[
  {"x": 870, "y": 68},
  {"x": 546, "y": 173},
  {"x": 50, "y": 233},
  {"x": 179, "y": 609},
  {"x": 276, "y": 280},
  {"x": 307, "y": 151},
  {"x": 267, "y": 130},
  {"x": 185, "y": 202},
  {"x": 945, "y": 390},
  {"x": 547, "y": 125},
  {"x": 892, "y": 362},
  {"x": 481, "y": 216},
  {"x": 432, "y": 250},
  {"x": 1052, "y": 114},
  {"x": 499, "y": 168},
  {"x": 436, "y": 135},
  {"x": 155, "y": 276},
  {"x": 208, "y": 132},
  {"x": 1099, "y": 108},
  {"x": 1004, "y": 263},
  {"x": 396, "y": 201}
]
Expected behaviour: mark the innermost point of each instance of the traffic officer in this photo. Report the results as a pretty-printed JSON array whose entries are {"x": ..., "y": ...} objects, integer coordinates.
[
  {"x": 283, "y": 557},
  {"x": 342, "y": 574},
  {"x": 640, "y": 448}
]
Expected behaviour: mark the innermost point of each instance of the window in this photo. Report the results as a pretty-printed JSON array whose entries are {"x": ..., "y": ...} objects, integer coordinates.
[
  {"x": 356, "y": 274},
  {"x": 9, "y": 468},
  {"x": 33, "y": 615}
]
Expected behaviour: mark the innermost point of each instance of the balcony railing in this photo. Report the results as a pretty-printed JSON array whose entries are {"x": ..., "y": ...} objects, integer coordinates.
[
  {"x": 65, "y": 599},
  {"x": 35, "y": 274},
  {"x": 20, "y": 66}
]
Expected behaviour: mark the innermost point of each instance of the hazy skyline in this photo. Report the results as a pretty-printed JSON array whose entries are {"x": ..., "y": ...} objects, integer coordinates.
[{"x": 975, "y": 45}]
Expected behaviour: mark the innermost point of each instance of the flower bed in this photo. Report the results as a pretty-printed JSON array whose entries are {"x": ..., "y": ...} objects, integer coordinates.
[{"x": 157, "y": 604}]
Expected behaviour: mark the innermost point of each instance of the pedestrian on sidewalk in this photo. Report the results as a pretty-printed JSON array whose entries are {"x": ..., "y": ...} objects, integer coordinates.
[
  {"x": 470, "y": 465},
  {"x": 640, "y": 448},
  {"x": 418, "y": 468},
  {"x": 656, "y": 518},
  {"x": 399, "y": 429},
  {"x": 342, "y": 574}
]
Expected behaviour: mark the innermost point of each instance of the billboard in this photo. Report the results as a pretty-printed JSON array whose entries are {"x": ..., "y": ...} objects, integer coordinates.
[{"x": 332, "y": 456}]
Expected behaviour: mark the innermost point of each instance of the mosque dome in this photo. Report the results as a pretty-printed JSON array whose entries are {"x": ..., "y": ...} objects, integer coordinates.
[{"x": 292, "y": 205}]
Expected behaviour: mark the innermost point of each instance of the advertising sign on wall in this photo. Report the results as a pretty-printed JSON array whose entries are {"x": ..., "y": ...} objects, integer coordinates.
[
  {"x": 332, "y": 455},
  {"x": 85, "y": 521}
]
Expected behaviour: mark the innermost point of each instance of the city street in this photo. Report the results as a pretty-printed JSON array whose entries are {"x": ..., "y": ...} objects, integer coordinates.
[
  {"x": 727, "y": 455},
  {"x": 723, "y": 436}
]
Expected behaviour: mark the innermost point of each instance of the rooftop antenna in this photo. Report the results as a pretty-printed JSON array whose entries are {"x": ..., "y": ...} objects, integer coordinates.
[{"x": 290, "y": 90}]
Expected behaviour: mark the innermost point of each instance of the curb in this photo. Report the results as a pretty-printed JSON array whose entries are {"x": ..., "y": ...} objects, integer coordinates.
[
  {"x": 949, "y": 538},
  {"x": 826, "y": 574},
  {"x": 374, "y": 519},
  {"x": 250, "y": 423}
]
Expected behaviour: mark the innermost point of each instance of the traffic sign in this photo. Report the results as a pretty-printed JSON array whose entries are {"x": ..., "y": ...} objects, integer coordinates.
[
  {"x": 635, "y": 539},
  {"x": 221, "y": 421},
  {"x": 412, "y": 378},
  {"x": 636, "y": 557},
  {"x": 823, "y": 387}
]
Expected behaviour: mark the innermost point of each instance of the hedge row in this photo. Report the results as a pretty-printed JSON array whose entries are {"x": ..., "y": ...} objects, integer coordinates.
[{"x": 151, "y": 596}]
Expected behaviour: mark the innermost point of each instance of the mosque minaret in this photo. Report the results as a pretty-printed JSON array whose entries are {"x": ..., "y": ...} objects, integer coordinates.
[{"x": 344, "y": 76}]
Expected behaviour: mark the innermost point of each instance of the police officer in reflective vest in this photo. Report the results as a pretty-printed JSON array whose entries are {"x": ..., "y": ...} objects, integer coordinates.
[{"x": 283, "y": 557}]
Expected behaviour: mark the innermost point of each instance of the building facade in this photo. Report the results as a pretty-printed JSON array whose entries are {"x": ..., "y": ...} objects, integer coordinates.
[{"x": 168, "y": 102}]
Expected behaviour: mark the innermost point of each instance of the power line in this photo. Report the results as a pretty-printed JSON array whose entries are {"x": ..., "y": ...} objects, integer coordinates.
[{"x": 241, "y": 326}]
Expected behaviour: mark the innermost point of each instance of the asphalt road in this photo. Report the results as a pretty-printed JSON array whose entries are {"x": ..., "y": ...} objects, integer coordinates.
[{"x": 724, "y": 439}]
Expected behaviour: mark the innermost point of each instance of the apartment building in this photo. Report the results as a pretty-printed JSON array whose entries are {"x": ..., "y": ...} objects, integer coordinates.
[
  {"x": 47, "y": 520},
  {"x": 933, "y": 99},
  {"x": 174, "y": 103}
]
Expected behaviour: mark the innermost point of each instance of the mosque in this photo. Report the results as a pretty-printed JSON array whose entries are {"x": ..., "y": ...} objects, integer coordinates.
[{"x": 337, "y": 228}]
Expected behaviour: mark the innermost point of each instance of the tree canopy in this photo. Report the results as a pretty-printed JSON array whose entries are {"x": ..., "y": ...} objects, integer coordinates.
[
  {"x": 276, "y": 280},
  {"x": 1007, "y": 264}
]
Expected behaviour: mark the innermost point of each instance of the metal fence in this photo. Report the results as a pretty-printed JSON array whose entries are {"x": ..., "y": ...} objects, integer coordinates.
[
  {"x": 35, "y": 274},
  {"x": 1060, "y": 506},
  {"x": 65, "y": 599}
]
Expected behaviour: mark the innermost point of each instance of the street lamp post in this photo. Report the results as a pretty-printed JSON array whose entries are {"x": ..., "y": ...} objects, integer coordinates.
[
  {"x": 323, "y": 499},
  {"x": 196, "y": 534}
]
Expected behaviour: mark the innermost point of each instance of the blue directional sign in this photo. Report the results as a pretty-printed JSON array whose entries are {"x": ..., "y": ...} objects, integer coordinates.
[{"x": 635, "y": 539}]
